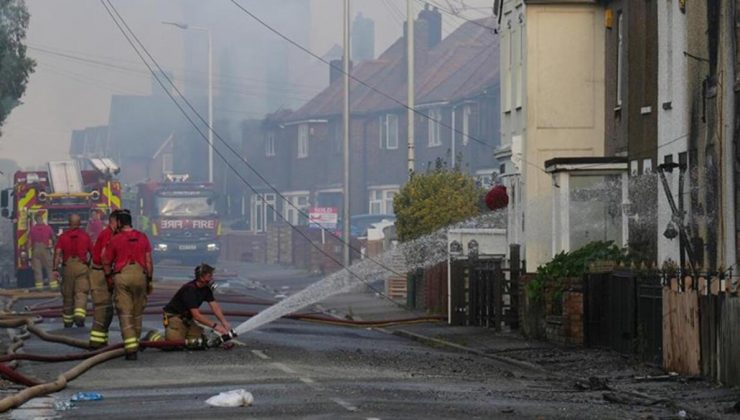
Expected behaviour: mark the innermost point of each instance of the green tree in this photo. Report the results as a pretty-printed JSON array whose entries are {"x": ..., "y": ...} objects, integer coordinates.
[
  {"x": 433, "y": 200},
  {"x": 15, "y": 66}
]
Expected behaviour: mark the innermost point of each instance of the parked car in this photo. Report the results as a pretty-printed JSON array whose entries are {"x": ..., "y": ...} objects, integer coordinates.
[{"x": 361, "y": 222}]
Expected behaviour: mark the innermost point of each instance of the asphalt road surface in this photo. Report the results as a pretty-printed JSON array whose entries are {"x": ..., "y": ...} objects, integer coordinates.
[{"x": 299, "y": 369}]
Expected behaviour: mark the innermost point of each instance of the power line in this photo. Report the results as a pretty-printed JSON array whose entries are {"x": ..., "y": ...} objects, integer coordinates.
[
  {"x": 106, "y": 61},
  {"x": 457, "y": 15},
  {"x": 235, "y": 88},
  {"x": 111, "y": 9}
]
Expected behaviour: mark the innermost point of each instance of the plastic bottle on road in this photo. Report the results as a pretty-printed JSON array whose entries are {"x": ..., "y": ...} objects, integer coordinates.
[{"x": 87, "y": 396}]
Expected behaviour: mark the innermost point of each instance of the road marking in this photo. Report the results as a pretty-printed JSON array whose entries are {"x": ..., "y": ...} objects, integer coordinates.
[
  {"x": 311, "y": 383},
  {"x": 284, "y": 368},
  {"x": 261, "y": 354},
  {"x": 345, "y": 404},
  {"x": 373, "y": 418}
]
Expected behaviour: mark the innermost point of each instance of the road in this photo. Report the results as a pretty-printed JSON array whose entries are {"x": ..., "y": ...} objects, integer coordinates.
[{"x": 301, "y": 369}]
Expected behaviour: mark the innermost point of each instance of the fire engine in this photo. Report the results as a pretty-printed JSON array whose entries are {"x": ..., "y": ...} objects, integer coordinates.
[
  {"x": 61, "y": 190},
  {"x": 181, "y": 220}
]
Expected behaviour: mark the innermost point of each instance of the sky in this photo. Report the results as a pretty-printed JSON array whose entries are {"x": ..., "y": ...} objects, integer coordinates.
[{"x": 83, "y": 59}]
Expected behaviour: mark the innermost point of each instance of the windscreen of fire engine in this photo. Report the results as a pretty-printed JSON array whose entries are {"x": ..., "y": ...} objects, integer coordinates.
[{"x": 185, "y": 206}]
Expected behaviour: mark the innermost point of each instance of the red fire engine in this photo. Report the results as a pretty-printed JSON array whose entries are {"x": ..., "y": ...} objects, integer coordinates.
[
  {"x": 62, "y": 190},
  {"x": 181, "y": 220}
]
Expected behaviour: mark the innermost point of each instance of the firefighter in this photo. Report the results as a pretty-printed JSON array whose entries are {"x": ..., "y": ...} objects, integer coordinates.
[
  {"x": 100, "y": 290},
  {"x": 41, "y": 238},
  {"x": 128, "y": 258},
  {"x": 95, "y": 225},
  {"x": 71, "y": 260},
  {"x": 182, "y": 314}
]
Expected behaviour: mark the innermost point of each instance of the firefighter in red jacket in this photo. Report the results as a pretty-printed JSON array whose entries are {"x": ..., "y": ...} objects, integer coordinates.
[
  {"x": 71, "y": 259},
  {"x": 100, "y": 291},
  {"x": 128, "y": 258}
]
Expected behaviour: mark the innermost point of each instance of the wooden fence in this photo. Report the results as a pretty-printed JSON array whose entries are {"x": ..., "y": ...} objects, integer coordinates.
[{"x": 700, "y": 328}]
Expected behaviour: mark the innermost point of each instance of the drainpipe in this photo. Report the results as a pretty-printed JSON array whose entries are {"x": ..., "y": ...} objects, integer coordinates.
[{"x": 452, "y": 137}]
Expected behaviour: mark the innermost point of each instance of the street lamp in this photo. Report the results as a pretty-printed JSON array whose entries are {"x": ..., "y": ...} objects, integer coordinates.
[{"x": 185, "y": 27}]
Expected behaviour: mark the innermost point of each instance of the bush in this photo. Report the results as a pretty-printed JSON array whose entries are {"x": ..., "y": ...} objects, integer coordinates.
[
  {"x": 434, "y": 200},
  {"x": 547, "y": 284}
]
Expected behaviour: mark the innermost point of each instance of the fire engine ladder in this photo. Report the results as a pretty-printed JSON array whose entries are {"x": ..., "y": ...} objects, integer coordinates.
[{"x": 65, "y": 177}]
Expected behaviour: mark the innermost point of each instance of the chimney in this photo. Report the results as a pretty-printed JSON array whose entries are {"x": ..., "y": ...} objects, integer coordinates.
[
  {"x": 335, "y": 70},
  {"x": 421, "y": 42},
  {"x": 363, "y": 38},
  {"x": 434, "y": 25}
]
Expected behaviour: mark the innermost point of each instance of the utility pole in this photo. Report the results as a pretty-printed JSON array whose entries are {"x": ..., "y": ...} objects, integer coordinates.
[
  {"x": 210, "y": 107},
  {"x": 185, "y": 27},
  {"x": 345, "y": 121},
  {"x": 410, "y": 81}
]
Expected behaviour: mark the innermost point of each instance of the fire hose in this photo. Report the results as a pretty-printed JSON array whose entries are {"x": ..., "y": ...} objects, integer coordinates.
[{"x": 92, "y": 358}]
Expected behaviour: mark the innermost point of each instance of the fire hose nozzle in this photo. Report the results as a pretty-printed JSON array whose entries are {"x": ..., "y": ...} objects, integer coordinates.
[
  {"x": 220, "y": 339},
  {"x": 229, "y": 336}
]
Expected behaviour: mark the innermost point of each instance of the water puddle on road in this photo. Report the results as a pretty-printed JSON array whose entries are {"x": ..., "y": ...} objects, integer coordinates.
[{"x": 420, "y": 253}]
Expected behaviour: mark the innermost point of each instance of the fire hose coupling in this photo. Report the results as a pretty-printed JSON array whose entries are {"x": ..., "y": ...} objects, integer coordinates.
[{"x": 218, "y": 340}]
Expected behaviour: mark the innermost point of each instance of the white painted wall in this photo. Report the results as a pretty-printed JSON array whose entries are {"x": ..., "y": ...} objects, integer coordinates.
[{"x": 673, "y": 124}]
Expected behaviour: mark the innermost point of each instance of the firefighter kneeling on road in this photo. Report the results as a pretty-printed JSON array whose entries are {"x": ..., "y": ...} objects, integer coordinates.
[{"x": 182, "y": 315}]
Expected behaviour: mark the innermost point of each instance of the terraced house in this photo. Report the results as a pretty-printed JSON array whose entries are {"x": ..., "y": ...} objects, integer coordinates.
[{"x": 457, "y": 125}]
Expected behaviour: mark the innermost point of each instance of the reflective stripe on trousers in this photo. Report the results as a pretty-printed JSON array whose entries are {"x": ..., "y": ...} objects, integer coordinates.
[
  {"x": 130, "y": 299},
  {"x": 102, "y": 301},
  {"x": 75, "y": 288}
]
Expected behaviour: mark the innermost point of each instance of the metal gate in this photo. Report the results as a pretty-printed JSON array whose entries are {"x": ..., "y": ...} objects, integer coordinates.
[
  {"x": 610, "y": 311},
  {"x": 650, "y": 319},
  {"x": 623, "y": 312},
  {"x": 485, "y": 292}
]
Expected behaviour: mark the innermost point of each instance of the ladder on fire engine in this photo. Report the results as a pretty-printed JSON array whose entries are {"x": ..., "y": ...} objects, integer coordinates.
[{"x": 65, "y": 177}]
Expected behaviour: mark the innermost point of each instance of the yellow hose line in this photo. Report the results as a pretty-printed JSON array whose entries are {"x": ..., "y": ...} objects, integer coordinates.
[{"x": 21, "y": 397}]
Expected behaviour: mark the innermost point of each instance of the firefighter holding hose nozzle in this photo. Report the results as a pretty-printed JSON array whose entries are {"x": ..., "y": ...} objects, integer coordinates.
[{"x": 182, "y": 314}]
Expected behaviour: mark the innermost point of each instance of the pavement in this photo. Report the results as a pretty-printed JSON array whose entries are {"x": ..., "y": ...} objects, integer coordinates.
[{"x": 307, "y": 370}]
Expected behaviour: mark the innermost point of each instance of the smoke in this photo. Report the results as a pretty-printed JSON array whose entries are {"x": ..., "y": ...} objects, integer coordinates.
[{"x": 83, "y": 61}]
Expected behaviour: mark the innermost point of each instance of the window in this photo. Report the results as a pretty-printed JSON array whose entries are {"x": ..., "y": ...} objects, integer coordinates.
[
  {"x": 376, "y": 202},
  {"x": 485, "y": 178},
  {"x": 620, "y": 57},
  {"x": 466, "y": 124},
  {"x": 262, "y": 211},
  {"x": 435, "y": 118},
  {"x": 634, "y": 171},
  {"x": 381, "y": 200},
  {"x": 647, "y": 166},
  {"x": 302, "y": 141},
  {"x": 389, "y": 132},
  {"x": 295, "y": 208},
  {"x": 270, "y": 144}
]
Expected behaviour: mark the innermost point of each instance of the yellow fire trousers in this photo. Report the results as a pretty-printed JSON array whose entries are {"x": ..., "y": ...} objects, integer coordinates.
[
  {"x": 41, "y": 260},
  {"x": 102, "y": 308},
  {"x": 129, "y": 295},
  {"x": 75, "y": 287}
]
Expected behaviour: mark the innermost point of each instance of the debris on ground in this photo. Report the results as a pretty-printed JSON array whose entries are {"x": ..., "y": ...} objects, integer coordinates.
[
  {"x": 594, "y": 384},
  {"x": 235, "y": 398},
  {"x": 86, "y": 396}
]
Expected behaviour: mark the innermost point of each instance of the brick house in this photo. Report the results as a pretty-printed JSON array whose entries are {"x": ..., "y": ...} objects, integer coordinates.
[{"x": 457, "y": 91}]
